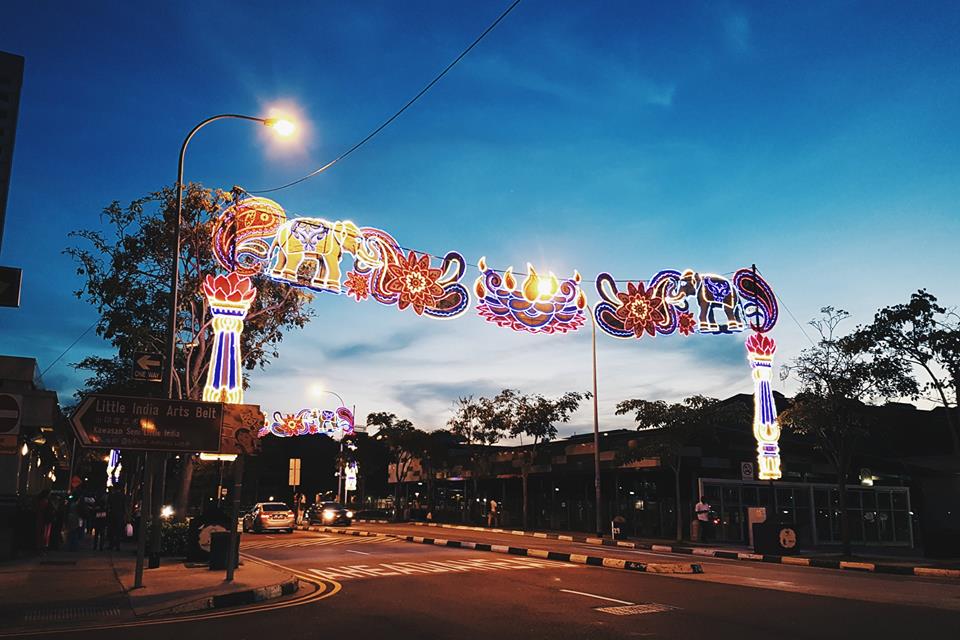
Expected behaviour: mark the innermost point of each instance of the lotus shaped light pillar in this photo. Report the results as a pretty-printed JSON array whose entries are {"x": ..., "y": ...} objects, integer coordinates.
[
  {"x": 766, "y": 430},
  {"x": 230, "y": 297}
]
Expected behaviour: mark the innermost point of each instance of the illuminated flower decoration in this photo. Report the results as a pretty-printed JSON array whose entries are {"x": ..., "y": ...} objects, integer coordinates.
[
  {"x": 541, "y": 304},
  {"x": 414, "y": 281},
  {"x": 640, "y": 309},
  {"x": 231, "y": 290},
  {"x": 686, "y": 324},
  {"x": 310, "y": 422},
  {"x": 760, "y": 345},
  {"x": 357, "y": 286}
]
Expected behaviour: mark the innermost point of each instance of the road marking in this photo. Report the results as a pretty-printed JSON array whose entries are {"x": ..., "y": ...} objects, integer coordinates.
[
  {"x": 386, "y": 569},
  {"x": 312, "y": 542},
  {"x": 593, "y": 595},
  {"x": 363, "y": 553},
  {"x": 636, "y": 609}
]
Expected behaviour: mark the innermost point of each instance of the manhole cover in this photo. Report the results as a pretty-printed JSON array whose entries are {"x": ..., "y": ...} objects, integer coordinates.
[
  {"x": 636, "y": 609},
  {"x": 70, "y": 614}
]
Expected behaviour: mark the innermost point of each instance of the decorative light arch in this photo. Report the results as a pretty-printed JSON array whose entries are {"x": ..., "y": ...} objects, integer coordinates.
[{"x": 254, "y": 236}]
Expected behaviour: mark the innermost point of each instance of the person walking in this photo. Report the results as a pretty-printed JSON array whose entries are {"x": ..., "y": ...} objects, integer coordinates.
[
  {"x": 116, "y": 517},
  {"x": 702, "y": 510},
  {"x": 44, "y": 519},
  {"x": 74, "y": 524},
  {"x": 492, "y": 515},
  {"x": 99, "y": 523}
]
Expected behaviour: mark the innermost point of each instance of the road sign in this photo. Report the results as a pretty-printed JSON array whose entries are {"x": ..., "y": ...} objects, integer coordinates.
[
  {"x": 746, "y": 471},
  {"x": 148, "y": 424},
  {"x": 147, "y": 366},
  {"x": 294, "y": 472},
  {"x": 10, "y": 278},
  {"x": 9, "y": 414}
]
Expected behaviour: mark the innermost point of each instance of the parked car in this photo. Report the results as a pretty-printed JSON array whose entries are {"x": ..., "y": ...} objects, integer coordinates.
[
  {"x": 329, "y": 513},
  {"x": 269, "y": 516}
]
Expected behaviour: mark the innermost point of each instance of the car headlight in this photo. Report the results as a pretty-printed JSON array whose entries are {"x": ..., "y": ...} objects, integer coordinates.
[
  {"x": 328, "y": 514},
  {"x": 349, "y": 514}
]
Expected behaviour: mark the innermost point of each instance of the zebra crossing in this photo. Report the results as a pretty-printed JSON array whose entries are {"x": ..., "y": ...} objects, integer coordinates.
[{"x": 282, "y": 543}]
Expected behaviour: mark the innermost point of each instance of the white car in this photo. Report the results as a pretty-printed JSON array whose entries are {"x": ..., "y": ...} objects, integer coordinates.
[{"x": 269, "y": 516}]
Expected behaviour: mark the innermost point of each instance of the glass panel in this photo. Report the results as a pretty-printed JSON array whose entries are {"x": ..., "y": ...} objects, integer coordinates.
[
  {"x": 856, "y": 527},
  {"x": 853, "y": 499},
  {"x": 749, "y": 496},
  {"x": 731, "y": 496},
  {"x": 820, "y": 498},
  {"x": 869, "y": 500},
  {"x": 712, "y": 492},
  {"x": 901, "y": 526},
  {"x": 802, "y": 496},
  {"x": 871, "y": 531},
  {"x": 785, "y": 498},
  {"x": 883, "y": 499},
  {"x": 885, "y": 525}
]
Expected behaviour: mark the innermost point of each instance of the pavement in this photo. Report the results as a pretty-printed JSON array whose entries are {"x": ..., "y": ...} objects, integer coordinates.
[
  {"x": 814, "y": 558},
  {"x": 64, "y": 588},
  {"x": 379, "y": 585}
]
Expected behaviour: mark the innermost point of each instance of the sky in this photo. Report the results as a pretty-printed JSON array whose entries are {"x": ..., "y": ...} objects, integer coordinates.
[{"x": 817, "y": 140}]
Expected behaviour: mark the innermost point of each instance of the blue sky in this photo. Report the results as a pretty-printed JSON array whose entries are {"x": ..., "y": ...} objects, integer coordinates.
[{"x": 818, "y": 140}]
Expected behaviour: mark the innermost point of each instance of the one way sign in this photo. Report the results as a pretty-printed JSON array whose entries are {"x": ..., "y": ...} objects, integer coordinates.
[{"x": 147, "y": 366}]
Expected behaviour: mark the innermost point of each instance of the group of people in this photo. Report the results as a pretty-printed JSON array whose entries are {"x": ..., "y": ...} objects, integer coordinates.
[{"x": 66, "y": 522}]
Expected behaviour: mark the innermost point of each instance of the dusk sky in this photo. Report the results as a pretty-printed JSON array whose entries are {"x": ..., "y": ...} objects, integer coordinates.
[{"x": 817, "y": 140}]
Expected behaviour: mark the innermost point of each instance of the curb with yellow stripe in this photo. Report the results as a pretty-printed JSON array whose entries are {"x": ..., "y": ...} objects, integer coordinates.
[
  {"x": 874, "y": 567},
  {"x": 576, "y": 558}
]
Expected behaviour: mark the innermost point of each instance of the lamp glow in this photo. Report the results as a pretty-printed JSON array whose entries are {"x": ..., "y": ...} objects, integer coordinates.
[{"x": 283, "y": 127}]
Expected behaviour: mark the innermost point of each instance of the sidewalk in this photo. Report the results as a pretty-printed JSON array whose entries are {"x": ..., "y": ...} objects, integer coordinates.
[
  {"x": 68, "y": 588},
  {"x": 815, "y": 558}
]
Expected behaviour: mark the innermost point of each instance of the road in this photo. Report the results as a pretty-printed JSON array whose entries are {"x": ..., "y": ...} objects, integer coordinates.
[{"x": 395, "y": 589}]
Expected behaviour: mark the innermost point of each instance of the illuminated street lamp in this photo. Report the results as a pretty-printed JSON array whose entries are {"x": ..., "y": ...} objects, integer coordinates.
[{"x": 340, "y": 468}]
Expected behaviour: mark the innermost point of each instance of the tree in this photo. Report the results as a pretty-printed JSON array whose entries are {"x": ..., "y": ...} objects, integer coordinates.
[
  {"x": 127, "y": 270},
  {"x": 403, "y": 441},
  {"x": 536, "y": 417},
  {"x": 836, "y": 381},
  {"x": 480, "y": 423},
  {"x": 668, "y": 428},
  {"x": 434, "y": 451},
  {"x": 925, "y": 336}
]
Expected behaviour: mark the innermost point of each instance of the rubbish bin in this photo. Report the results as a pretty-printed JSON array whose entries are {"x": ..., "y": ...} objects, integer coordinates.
[
  {"x": 775, "y": 538},
  {"x": 219, "y": 544}
]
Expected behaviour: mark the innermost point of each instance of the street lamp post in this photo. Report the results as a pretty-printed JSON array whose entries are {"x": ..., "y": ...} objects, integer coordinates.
[
  {"x": 340, "y": 461},
  {"x": 596, "y": 424},
  {"x": 283, "y": 128}
]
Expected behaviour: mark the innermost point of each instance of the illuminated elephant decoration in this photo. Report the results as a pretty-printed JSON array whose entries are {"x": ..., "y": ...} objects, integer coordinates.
[
  {"x": 715, "y": 294},
  {"x": 320, "y": 242}
]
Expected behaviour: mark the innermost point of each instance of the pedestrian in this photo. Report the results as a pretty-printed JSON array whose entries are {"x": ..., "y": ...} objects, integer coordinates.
[
  {"x": 74, "y": 524},
  {"x": 702, "y": 510},
  {"x": 44, "y": 519},
  {"x": 99, "y": 523},
  {"x": 492, "y": 515},
  {"x": 116, "y": 517}
]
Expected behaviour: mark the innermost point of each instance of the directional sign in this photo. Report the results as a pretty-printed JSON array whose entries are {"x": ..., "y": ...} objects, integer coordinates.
[
  {"x": 147, "y": 366},
  {"x": 10, "y": 278},
  {"x": 148, "y": 424},
  {"x": 9, "y": 414}
]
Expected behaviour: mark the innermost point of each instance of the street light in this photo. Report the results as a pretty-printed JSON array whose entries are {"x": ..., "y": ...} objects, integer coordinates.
[
  {"x": 596, "y": 424},
  {"x": 281, "y": 127},
  {"x": 340, "y": 491}
]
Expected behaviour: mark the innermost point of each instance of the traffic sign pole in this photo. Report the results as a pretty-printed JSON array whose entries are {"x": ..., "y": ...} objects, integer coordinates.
[
  {"x": 159, "y": 471},
  {"x": 142, "y": 531},
  {"x": 235, "y": 514}
]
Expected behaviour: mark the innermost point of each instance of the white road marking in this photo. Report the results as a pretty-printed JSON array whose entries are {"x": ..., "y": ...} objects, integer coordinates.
[
  {"x": 593, "y": 595},
  {"x": 363, "y": 553},
  {"x": 348, "y": 572}
]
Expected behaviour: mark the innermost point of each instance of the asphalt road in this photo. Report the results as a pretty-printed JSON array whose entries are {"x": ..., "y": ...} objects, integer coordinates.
[{"x": 395, "y": 589}]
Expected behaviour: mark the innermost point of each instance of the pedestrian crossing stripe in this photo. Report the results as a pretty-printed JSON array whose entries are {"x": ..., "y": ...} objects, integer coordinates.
[
  {"x": 314, "y": 542},
  {"x": 434, "y": 566}
]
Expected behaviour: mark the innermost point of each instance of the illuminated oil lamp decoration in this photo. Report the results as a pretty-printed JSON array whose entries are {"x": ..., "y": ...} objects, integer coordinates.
[
  {"x": 541, "y": 304},
  {"x": 766, "y": 430},
  {"x": 230, "y": 297}
]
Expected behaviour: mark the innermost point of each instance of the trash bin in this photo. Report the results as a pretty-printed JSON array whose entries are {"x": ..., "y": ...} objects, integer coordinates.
[
  {"x": 219, "y": 544},
  {"x": 775, "y": 538}
]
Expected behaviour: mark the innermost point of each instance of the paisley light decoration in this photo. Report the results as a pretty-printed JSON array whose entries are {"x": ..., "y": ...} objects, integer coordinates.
[
  {"x": 663, "y": 305},
  {"x": 310, "y": 422},
  {"x": 766, "y": 430},
  {"x": 540, "y": 304},
  {"x": 230, "y": 297},
  {"x": 240, "y": 233}
]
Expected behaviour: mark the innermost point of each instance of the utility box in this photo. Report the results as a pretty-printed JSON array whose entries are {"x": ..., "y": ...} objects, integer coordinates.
[
  {"x": 219, "y": 544},
  {"x": 755, "y": 515}
]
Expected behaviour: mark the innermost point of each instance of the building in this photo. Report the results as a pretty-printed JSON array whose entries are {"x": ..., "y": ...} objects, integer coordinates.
[
  {"x": 903, "y": 492},
  {"x": 11, "y": 81}
]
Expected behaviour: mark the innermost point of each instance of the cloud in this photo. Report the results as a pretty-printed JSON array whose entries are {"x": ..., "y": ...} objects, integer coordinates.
[{"x": 736, "y": 31}]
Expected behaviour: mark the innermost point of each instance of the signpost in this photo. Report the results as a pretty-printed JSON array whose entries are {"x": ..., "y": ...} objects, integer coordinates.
[
  {"x": 10, "y": 278},
  {"x": 148, "y": 424},
  {"x": 294, "y": 472},
  {"x": 147, "y": 366}
]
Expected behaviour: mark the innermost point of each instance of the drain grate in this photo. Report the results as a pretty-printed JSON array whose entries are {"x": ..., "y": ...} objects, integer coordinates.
[
  {"x": 70, "y": 614},
  {"x": 637, "y": 609}
]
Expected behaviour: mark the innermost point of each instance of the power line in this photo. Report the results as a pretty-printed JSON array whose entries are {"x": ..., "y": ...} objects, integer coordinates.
[
  {"x": 402, "y": 109},
  {"x": 72, "y": 345}
]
